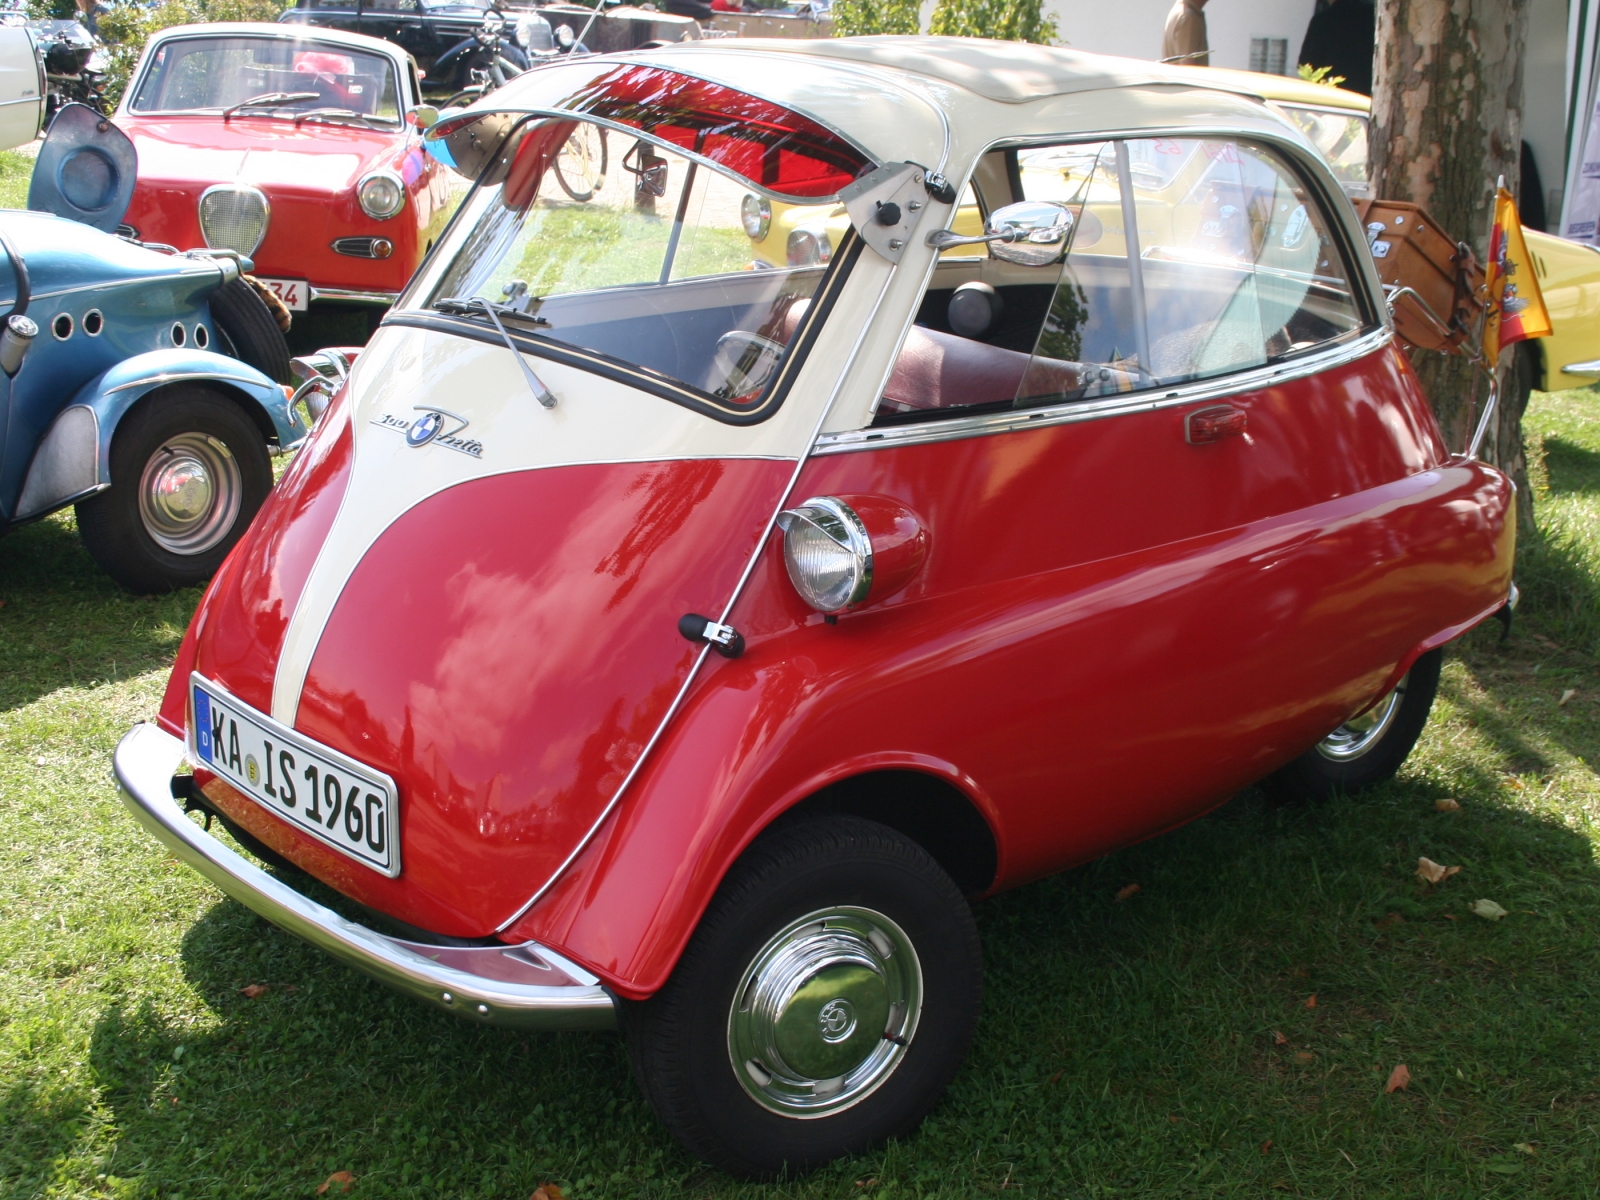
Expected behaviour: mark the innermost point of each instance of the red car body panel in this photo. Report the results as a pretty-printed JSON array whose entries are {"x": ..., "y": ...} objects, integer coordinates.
[
  {"x": 507, "y": 697},
  {"x": 1056, "y": 604},
  {"x": 1113, "y": 631},
  {"x": 308, "y": 173}
]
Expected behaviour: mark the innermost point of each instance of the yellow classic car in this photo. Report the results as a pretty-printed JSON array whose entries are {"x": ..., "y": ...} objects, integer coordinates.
[{"x": 1332, "y": 119}]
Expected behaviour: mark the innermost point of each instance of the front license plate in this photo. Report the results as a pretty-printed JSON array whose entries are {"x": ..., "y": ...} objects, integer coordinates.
[
  {"x": 295, "y": 293},
  {"x": 335, "y": 799}
]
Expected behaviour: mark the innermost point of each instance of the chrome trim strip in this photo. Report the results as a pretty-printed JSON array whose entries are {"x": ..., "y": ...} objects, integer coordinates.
[
  {"x": 175, "y": 376},
  {"x": 22, "y": 100},
  {"x": 956, "y": 428},
  {"x": 481, "y": 983},
  {"x": 351, "y": 294},
  {"x": 1591, "y": 367}
]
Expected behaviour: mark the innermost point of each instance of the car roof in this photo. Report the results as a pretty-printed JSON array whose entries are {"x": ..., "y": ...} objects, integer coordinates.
[
  {"x": 930, "y": 100},
  {"x": 282, "y": 32}
]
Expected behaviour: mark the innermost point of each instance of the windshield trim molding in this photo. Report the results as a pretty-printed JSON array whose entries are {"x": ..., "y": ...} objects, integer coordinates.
[{"x": 654, "y": 382}]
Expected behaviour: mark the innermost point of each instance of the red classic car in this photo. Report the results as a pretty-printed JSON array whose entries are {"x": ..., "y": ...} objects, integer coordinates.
[
  {"x": 660, "y": 640},
  {"x": 297, "y": 149}
]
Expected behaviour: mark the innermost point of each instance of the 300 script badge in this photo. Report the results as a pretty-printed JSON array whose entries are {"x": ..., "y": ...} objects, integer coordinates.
[{"x": 432, "y": 427}]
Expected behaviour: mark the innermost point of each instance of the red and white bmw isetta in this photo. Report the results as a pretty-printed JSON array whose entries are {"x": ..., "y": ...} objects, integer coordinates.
[{"x": 655, "y": 635}]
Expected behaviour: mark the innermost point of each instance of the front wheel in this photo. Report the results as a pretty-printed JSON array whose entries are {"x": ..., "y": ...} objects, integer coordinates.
[
  {"x": 1368, "y": 749},
  {"x": 826, "y": 999},
  {"x": 189, "y": 470}
]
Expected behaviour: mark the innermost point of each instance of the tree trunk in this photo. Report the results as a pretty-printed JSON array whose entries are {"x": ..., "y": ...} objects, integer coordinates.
[{"x": 1446, "y": 121}]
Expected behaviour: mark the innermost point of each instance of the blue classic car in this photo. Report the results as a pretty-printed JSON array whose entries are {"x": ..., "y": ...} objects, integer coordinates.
[{"x": 139, "y": 383}]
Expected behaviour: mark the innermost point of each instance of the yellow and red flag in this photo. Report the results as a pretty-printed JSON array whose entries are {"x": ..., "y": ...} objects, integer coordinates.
[{"x": 1516, "y": 308}]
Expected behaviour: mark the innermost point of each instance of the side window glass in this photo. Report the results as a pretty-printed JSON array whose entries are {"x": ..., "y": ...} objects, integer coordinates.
[{"x": 1188, "y": 259}]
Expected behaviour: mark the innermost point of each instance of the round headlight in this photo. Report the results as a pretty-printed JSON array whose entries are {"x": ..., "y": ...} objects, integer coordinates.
[
  {"x": 756, "y": 213},
  {"x": 808, "y": 249},
  {"x": 381, "y": 195},
  {"x": 828, "y": 553}
]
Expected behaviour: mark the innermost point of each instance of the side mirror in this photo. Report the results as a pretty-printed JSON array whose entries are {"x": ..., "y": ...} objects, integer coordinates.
[
  {"x": 424, "y": 116},
  {"x": 1031, "y": 233}
]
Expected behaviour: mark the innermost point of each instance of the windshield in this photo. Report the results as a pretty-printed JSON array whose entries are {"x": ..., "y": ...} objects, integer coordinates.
[
  {"x": 610, "y": 244},
  {"x": 269, "y": 76},
  {"x": 1342, "y": 138}
]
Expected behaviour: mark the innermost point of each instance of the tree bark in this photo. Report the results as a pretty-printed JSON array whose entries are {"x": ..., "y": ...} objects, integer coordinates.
[{"x": 1446, "y": 122}]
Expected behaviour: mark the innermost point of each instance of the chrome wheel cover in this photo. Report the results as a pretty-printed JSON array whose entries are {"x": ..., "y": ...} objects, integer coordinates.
[
  {"x": 190, "y": 492},
  {"x": 1360, "y": 734},
  {"x": 825, "y": 1012}
]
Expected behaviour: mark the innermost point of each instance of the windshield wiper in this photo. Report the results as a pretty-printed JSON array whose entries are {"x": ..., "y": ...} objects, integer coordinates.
[
  {"x": 340, "y": 114},
  {"x": 488, "y": 308},
  {"x": 270, "y": 99}
]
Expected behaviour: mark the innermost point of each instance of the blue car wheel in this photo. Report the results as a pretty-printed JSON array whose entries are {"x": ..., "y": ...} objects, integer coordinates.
[{"x": 189, "y": 470}]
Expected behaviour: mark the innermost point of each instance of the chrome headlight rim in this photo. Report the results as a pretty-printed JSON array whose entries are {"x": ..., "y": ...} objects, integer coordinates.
[
  {"x": 378, "y": 213},
  {"x": 755, "y": 212},
  {"x": 235, "y": 187},
  {"x": 808, "y": 247},
  {"x": 837, "y": 521}
]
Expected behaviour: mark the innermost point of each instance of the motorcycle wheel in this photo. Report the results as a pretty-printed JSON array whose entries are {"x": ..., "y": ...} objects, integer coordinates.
[{"x": 581, "y": 165}]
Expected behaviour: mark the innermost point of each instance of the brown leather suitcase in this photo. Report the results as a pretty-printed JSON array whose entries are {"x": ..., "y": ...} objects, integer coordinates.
[{"x": 1412, "y": 251}]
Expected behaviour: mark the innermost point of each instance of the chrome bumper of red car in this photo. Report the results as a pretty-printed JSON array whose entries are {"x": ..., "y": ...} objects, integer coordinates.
[{"x": 525, "y": 986}]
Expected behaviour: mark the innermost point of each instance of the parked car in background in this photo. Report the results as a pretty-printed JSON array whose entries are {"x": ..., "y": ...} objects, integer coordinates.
[
  {"x": 134, "y": 383},
  {"x": 299, "y": 150},
  {"x": 663, "y": 642},
  {"x": 428, "y": 29},
  {"x": 1336, "y": 122},
  {"x": 22, "y": 87}
]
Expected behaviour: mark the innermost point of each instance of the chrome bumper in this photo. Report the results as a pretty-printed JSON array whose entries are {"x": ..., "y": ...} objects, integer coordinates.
[{"x": 526, "y": 986}]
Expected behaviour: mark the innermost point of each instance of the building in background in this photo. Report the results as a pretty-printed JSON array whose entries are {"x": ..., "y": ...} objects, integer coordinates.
[{"x": 1265, "y": 35}]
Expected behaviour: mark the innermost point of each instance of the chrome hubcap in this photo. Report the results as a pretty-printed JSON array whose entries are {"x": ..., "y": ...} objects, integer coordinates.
[
  {"x": 190, "y": 493},
  {"x": 824, "y": 1013},
  {"x": 1360, "y": 734}
]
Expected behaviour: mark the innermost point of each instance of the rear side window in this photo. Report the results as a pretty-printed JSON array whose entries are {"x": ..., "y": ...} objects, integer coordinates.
[{"x": 1188, "y": 259}]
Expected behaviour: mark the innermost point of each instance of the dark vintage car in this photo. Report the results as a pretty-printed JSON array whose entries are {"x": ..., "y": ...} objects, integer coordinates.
[{"x": 428, "y": 29}]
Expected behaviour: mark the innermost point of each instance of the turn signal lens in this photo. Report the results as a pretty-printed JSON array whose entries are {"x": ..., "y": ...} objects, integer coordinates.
[
  {"x": 381, "y": 195},
  {"x": 828, "y": 553},
  {"x": 756, "y": 213}
]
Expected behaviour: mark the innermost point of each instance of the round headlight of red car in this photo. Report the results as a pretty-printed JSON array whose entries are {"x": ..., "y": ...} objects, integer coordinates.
[
  {"x": 828, "y": 553},
  {"x": 381, "y": 195}
]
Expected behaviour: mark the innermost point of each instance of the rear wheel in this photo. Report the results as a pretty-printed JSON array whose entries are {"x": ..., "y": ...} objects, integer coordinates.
[
  {"x": 581, "y": 165},
  {"x": 189, "y": 470},
  {"x": 249, "y": 330},
  {"x": 1368, "y": 749},
  {"x": 826, "y": 999}
]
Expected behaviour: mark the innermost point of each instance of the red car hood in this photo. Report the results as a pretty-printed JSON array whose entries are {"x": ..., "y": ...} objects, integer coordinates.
[{"x": 315, "y": 156}]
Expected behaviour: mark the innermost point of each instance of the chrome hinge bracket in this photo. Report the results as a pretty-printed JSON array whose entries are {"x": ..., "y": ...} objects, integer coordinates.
[{"x": 724, "y": 639}]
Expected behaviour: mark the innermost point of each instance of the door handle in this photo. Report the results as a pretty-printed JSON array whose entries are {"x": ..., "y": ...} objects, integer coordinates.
[{"x": 1213, "y": 424}]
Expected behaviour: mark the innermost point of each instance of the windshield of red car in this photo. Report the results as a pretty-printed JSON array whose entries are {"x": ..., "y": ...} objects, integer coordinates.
[
  {"x": 628, "y": 250},
  {"x": 284, "y": 77}
]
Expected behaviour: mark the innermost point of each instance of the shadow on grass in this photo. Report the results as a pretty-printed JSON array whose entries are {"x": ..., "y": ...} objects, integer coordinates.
[
  {"x": 1572, "y": 467},
  {"x": 65, "y": 624},
  {"x": 1153, "y": 1044}
]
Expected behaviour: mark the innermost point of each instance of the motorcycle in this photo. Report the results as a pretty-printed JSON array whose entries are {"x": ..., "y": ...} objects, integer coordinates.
[
  {"x": 491, "y": 57},
  {"x": 74, "y": 66}
]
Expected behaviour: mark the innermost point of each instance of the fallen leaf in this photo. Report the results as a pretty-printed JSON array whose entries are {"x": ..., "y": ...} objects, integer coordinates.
[
  {"x": 1174, "y": 1120},
  {"x": 549, "y": 1191},
  {"x": 860, "y": 1183},
  {"x": 1525, "y": 1147},
  {"x": 1278, "y": 1039},
  {"x": 1431, "y": 872},
  {"x": 1389, "y": 920},
  {"x": 1447, "y": 805},
  {"x": 1266, "y": 1145},
  {"x": 1399, "y": 1079},
  {"x": 1131, "y": 890},
  {"x": 1311, "y": 1000},
  {"x": 1516, "y": 784},
  {"x": 1487, "y": 909},
  {"x": 254, "y": 990},
  {"x": 1565, "y": 696},
  {"x": 1448, "y": 916},
  {"x": 1056, "y": 1078},
  {"x": 343, "y": 1178},
  {"x": 1304, "y": 1056}
]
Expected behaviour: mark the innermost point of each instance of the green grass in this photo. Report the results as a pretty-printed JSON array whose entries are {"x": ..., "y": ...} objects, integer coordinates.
[
  {"x": 1126, "y": 1048},
  {"x": 16, "y": 173}
]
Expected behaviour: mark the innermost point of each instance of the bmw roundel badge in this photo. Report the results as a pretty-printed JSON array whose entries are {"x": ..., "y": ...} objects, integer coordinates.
[{"x": 424, "y": 429}]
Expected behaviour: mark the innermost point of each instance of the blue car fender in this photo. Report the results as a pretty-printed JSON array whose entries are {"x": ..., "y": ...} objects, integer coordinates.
[{"x": 74, "y": 456}]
